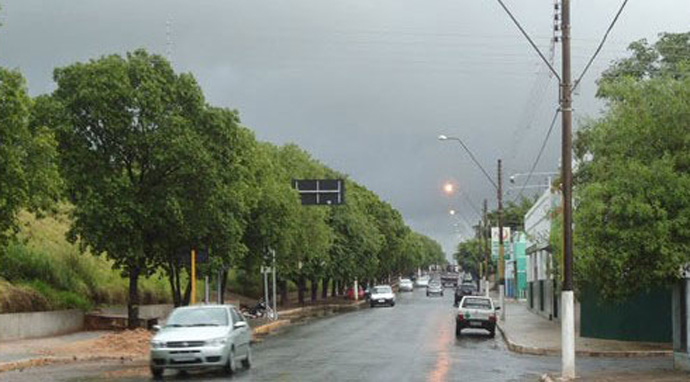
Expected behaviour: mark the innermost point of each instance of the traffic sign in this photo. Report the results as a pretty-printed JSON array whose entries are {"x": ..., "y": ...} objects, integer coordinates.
[{"x": 320, "y": 192}]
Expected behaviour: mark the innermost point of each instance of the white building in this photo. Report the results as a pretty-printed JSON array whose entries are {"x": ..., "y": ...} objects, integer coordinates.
[{"x": 541, "y": 285}]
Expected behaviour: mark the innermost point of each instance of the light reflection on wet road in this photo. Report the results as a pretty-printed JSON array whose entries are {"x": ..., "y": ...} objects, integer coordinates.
[{"x": 413, "y": 341}]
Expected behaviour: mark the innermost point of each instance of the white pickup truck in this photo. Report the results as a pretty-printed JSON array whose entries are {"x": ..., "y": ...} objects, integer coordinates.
[{"x": 476, "y": 312}]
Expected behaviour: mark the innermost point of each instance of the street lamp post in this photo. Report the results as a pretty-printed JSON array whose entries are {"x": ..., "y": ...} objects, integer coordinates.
[{"x": 499, "y": 192}]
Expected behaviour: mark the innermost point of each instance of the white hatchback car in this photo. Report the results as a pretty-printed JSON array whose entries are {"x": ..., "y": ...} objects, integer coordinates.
[
  {"x": 382, "y": 295},
  {"x": 195, "y": 337}
]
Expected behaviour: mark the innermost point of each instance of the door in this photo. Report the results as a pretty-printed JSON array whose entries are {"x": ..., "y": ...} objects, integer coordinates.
[{"x": 243, "y": 335}]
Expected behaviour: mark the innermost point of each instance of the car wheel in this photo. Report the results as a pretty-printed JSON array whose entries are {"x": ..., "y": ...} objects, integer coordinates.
[
  {"x": 157, "y": 372},
  {"x": 393, "y": 303},
  {"x": 371, "y": 305},
  {"x": 458, "y": 330},
  {"x": 492, "y": 333},
  {"x": 230, "y": 366},
  {"x": 247, "y": 362}
]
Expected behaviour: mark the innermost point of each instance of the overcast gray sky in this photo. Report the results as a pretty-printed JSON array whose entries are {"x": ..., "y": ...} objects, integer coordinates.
[{"x": 366, "y": 86}]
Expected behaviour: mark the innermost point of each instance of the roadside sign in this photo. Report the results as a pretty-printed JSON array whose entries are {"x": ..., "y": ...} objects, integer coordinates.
[
  {"x": 495, "y": 242},
  {"x": 320, "y": 192}
]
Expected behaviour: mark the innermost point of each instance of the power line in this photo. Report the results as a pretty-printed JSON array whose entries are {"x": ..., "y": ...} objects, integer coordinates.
[
  {"x": 541, "y": 151},
  {"x": 601, "y": 44},
  {"x": 524, "y": 33}
]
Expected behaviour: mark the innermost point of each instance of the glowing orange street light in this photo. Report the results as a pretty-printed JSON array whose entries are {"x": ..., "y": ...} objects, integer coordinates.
[{"x": 448, "y": 188}]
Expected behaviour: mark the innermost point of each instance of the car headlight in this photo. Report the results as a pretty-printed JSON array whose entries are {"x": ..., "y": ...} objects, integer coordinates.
[
  {"x": 217, "y": 342},
  {"x": 157, "y": 344}
]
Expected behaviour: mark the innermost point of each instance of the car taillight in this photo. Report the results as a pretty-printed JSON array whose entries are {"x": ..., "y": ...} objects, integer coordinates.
[
  {"x": 460, "y": 317},
  {"x": 492, "y": 318}
]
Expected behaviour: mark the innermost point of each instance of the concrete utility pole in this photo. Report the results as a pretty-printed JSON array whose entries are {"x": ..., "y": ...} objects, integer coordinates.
[
  {"x": 501, "y": 249},
  {"x": 567, "y": 300},
  {"x": 275, "y": 306},
  {"x": 220, "y": 288},
  {"x": 192, "y": 299},
  {"x": 485, "y": 238}
]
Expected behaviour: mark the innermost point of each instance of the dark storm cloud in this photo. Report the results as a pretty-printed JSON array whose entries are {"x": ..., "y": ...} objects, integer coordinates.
[{"x": 366, "y": 86}]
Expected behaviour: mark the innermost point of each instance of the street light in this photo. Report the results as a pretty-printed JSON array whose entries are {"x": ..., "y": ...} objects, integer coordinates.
[
  {"x": 447, "y": 138},
  {"x": 448, "y": 188},
  {"x": 499, "y": 193},
  {"x": 550, "y": 174}
]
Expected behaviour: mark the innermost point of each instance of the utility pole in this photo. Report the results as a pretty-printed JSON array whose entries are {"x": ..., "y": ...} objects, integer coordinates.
[
  {"x": 567, "y": 303},
  {"x": 501, "y": 249},
  {"x": 487, "y": 228},
  {"x": 192, "y": 299},
  {"x": 275, "y": 306}
]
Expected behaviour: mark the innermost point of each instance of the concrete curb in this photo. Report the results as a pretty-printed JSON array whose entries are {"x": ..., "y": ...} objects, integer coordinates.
[
  {"x": 521, "y": 349},
  {"x": 292, "y": 315},
  {"x": 44, "y": 361}
]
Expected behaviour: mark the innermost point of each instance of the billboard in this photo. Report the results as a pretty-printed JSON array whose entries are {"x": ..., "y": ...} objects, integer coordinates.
[{"x": 495, "y": 241}]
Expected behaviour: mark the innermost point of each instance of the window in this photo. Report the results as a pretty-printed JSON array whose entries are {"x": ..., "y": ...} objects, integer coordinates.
[
  {"x": 199, "y": 317},
  {"x": 236, "y": 317},
  {"x": 476, "y": 303}
]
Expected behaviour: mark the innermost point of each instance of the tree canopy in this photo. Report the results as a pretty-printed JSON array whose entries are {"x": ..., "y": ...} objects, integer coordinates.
[
  {"x": 28, "y": 168},
  {"x": 633, "y": 204}
]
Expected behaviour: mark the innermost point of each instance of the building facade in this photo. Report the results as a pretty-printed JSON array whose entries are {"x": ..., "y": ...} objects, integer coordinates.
[{"x": 541, "y": 289}]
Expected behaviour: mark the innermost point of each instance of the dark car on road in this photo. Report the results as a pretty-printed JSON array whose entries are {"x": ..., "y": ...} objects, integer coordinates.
[{"x": 465, "y": 289}]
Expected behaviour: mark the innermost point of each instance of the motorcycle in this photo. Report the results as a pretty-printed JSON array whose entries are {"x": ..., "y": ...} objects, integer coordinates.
[{"x": 261, "y": 309}]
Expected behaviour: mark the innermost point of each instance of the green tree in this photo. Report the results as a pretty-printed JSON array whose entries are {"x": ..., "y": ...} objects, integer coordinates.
[
  {"x": 129, "y": 142},
  {"x": 469, "y": 255},
  {"x": 28, "y": 157},
  {"x": 633, "y": 204}
]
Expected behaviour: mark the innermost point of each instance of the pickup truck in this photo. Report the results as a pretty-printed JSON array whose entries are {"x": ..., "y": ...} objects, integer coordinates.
[{"x": 476, "y": 312}]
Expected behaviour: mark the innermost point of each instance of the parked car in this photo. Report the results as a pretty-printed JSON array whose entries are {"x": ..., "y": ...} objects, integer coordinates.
[
  {"x": 196, "y": 337},
  {"x": 465, "y": 289},
  {"x": 382, "y": 295},
  {"x": 434, "y": 289},
  {"x": 422, "y": 282},
  {"x": 405, "y": 285},
  {"x": 476, "y": 312},
  {"x": 360, "y": 293}
]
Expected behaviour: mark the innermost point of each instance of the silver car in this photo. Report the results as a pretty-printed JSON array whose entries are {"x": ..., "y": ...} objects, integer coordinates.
[
  {"x": 405, "y": 285},
  {"x": 209, "y": 336},
  {"x": 434, "y": 289}
]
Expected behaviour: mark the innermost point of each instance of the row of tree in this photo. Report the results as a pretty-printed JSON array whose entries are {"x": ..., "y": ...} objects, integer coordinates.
[{"x": 152, "y": 171}]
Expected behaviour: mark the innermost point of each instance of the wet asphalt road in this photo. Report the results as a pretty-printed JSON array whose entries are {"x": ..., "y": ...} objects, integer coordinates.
[{"x": 413, "y": 341}]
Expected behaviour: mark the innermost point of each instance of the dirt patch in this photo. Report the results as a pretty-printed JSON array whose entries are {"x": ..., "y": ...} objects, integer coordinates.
[{"x": 127, "y": 344}]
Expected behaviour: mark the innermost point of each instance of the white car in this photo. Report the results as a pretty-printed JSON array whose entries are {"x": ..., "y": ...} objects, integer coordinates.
[
  {"x": 382, "y": 295},
  {"x": 197, "y": 337},
  {"x": 422, "y": 281},
  {"x": 476, "y": 312},
  {"x": 405, "y": 285}
]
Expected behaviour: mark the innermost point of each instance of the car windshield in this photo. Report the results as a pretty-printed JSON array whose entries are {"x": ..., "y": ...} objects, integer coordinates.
[
  {"x": 198, "y": 317},
  {"x": 383, "y": 289},
  {"x": 476, "y": 303}
]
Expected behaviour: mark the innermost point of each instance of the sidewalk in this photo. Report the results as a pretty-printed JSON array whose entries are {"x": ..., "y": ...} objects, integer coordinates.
[{"x": 528, "y": 333}]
